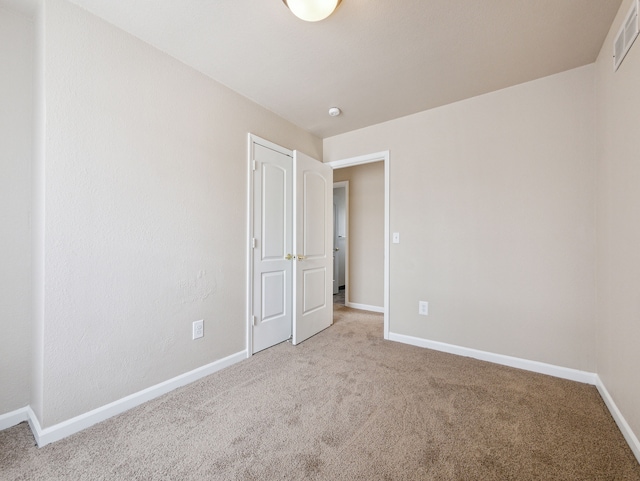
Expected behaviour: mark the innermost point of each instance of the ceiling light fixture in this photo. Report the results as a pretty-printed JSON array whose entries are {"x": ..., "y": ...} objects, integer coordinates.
[
  {"x": 334, "y": 111},
  {"x": 312, "y": 10}
]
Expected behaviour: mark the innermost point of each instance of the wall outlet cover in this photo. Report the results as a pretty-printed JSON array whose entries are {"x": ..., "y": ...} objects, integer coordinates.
[
  {"x": 198, "y": 329},
  {"x": 423, "y": 308}
]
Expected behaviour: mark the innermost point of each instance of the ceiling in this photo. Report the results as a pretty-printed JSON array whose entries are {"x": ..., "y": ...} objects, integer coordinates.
[{"x": 375, "y": 59}]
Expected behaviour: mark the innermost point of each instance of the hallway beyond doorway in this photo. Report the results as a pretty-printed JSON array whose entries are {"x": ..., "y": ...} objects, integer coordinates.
[{"x": 339, "y": 297}]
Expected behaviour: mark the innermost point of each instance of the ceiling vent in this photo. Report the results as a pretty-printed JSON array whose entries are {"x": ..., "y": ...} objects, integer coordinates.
[{"x": 627, "y": 34}]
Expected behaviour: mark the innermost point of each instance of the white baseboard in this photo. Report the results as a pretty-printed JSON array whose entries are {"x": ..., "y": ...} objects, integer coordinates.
[
  {"x": 67, "y": 428},
  {"x": 364, "y": 307},
  {"x": 77, "y": 424},
  {"x": 13, "y": 418},
  {"x": 534, "y": 366},
  {"x": 624, "y": 427}
]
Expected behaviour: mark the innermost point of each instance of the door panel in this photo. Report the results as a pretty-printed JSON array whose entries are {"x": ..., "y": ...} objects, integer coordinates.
[
  {"x": 273, "y": 295},
  {"x": 313, "y": 228},
  {"x": 273, "y": 231},
  {"x": 314, "y": 211},
  {"x": 314, "y": 289}
]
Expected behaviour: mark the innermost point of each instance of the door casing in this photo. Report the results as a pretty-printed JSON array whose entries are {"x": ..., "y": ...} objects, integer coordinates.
[
  {"x": 345, "y": 247},
  {"x": 383, "y": 156}
]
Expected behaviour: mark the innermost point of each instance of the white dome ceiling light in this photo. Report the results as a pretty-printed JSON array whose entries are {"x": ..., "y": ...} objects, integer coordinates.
[
  {"x": 334, "y": 111},
  {"x": 312, "y": 10}
]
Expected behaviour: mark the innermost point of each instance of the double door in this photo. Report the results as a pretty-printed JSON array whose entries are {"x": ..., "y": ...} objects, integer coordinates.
[{"x": 292, "y": 245}]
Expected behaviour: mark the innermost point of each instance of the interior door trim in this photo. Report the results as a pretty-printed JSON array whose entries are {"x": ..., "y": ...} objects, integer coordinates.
[
  {"x": 367, "y": 159},
  {"x": 344, "y": 184}
]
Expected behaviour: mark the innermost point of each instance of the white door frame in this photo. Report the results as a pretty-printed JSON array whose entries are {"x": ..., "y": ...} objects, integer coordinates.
[
  {"x": 251, "y": 138},
  {"x": 345, "y": 184},
  {"x": 367, "y": 159}
]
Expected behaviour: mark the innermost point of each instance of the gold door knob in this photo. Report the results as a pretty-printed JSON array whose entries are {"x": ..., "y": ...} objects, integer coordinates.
[
  {"x": 336, "y": 249},
  {"x": 301, "y": 258},
  {"x": 289, "y": 257}
]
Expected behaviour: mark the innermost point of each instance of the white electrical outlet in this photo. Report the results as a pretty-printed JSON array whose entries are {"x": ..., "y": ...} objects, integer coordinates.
[
  {"x": 423, "y": 308},
  {"x": 198, "y": 329}
]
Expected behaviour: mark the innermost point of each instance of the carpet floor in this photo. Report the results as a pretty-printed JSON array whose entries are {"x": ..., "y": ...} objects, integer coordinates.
[{"x": 345, "y": 405}]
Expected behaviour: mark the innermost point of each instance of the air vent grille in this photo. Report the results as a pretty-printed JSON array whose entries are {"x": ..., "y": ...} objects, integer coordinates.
[{"x": 627, "y": 34}]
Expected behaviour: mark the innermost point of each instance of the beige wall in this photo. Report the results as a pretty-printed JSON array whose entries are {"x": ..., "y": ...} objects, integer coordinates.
[
  {"x": 16, "y": 106},
  {"x": 366, "y": 232},
  {"x": 145, "y": 168},
  {"x": 494, "y": 200},
  {"x": 618, "y": 214}
]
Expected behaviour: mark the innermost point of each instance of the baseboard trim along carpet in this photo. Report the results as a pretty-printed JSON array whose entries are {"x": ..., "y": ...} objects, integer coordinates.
[
  {"x": 78, "y": 423},
  {"x": 624, "y": 427},
  {"x": 533, "y": 366},
  {"x": 364, "y": 307},
  {"x": 71, "y": 426},
  {"x": 13, "y": 418}
]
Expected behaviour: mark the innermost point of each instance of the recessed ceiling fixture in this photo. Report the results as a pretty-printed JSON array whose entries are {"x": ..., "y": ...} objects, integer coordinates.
[
  {"x": 312, "y": 10},
  {"x": 334, "y": 111}
]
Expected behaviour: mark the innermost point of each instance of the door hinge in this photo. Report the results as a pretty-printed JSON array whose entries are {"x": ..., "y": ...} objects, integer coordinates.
[
  {"x": 254, "y": 319},
  {"x": 254, "y": 165},
  {"x": 254, "y": 242}
]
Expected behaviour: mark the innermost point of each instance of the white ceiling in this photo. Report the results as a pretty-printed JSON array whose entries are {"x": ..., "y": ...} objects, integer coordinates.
[{"x": 375, "y": 59}]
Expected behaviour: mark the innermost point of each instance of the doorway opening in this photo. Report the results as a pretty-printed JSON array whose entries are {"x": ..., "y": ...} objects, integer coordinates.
[
  {"x": 382, "y": 157},
  {"x": 340, "y": 240}
]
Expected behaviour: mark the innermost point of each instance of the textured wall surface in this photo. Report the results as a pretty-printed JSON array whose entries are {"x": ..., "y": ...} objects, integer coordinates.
[
  {"x": 618, "y": 214},
  {"x": 145, "y": 177},
  {"x": 16, "y": 110},
  {"x": 494, "y": 200},
  {"x": 142, "y": 175},
  {"x": 366, "y": 232}
]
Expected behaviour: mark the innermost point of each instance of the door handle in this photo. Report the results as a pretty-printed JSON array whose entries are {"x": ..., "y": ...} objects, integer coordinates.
[
  {"x": 336, "y": 249},
  {"x": 289, "y": 257},
  {"x": 301, "y": 258}
]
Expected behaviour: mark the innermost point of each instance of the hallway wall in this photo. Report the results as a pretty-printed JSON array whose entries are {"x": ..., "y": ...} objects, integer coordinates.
[{"x": 366, "y": 232}]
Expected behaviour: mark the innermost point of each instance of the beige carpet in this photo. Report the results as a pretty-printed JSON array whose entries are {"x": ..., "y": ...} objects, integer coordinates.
[{"x": 346, "y": 405}]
